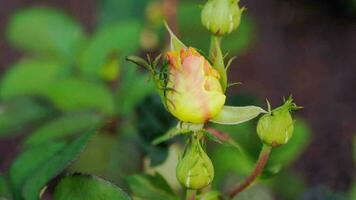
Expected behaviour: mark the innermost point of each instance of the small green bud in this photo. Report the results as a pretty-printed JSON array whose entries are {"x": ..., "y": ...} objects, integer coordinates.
[
  {"x": 221, "y": 16},
  {"x": 195, "y": 169},
  {"x": 276, "y": 127}
]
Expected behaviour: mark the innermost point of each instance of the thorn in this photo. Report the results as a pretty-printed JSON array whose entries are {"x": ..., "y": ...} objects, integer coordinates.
[
  {"x": 268, "y": 105},
  {"x": 230, "y": 62},
  {"x": 233, "y": 84}
]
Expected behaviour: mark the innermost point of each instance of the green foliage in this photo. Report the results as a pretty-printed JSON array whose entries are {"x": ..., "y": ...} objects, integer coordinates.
[
  {"x": 74, "y": 94},
  {"x": 120, "y": 40},
  {"x": 45, "y": 31},
  {"x": 20, "y": 113},
  {"x": 63, "y": 126},
  {"x": 32, "y": 170},
  {"x": 28, "y": 162},
  {"x": 153, "y": 117},
  {"x": 133, "y": 89},
  {"x": 88, "y": 187},
  {"x": 30, "y": 77},
  {"x": 96, "y": 157},
  {"x": 150, "y": 187}
]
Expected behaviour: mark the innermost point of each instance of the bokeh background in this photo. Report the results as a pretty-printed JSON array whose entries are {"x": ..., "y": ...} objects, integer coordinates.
[{"x": 305, "y": 48}]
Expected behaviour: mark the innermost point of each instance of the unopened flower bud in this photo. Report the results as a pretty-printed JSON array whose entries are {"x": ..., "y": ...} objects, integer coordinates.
[
  {"x": 195, "y": 169},
  {"x": 197, "y": 95},
  {"x": 276, "y": 127},
  {"x": 221, "y": 16}
]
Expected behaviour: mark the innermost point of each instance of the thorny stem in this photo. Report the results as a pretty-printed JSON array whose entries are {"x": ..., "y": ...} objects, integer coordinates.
[
  {"x": 214, "y": 43},
  {"x": 190, "y": 194},
  {"x": 261, "y": 162}
]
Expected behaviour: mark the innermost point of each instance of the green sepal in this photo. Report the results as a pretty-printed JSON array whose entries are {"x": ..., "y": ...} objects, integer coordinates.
[
  {"x": 176, "y": 44},
  {"x": 222, "y": 138},
  {"x": 218, "y": 60},
  {"x": 231, "y": 115},
  {"x": 181, "y": 128}
]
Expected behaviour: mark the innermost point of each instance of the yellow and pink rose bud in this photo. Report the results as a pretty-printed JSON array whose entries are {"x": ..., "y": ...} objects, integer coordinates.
[{"x": 196, "y": 94}]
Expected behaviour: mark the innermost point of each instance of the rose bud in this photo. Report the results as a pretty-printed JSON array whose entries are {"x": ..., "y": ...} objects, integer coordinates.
[
  {"x": 195, "y": 169},
  {"x": 276, "y": 127},
  {"x": 221, "y": 16},
  {"x": 196, "y": 94}
]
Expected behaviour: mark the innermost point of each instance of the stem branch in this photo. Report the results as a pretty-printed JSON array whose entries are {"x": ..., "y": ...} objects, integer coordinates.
[{"x": 261, "y": 162}]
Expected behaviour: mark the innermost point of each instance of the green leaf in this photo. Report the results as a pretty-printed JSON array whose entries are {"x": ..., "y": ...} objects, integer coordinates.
[
  {"x": 45, "y": 31},
  {"x": 54, "y": 166},
  {"x": 87, "y": 187},
  {"x": 98, "y": 155},
  {"x": 231, "y": 115},
  {"x": 121, "y": 40},
  {"x": 29, "y": 77},
  {"x": 150, "y": 187},
  {"x": 75, "y": 94},
  {"x": 33, "y": 169},
  {"x": 20, "y": 113},
  {"x": 133, "y": 89},
  {"x": 66, "y": 125},
  {"x": 28, "y": 162}
]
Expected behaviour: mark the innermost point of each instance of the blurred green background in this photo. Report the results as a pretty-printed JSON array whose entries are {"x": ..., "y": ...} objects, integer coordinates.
[{"x": 63, "y": 72}]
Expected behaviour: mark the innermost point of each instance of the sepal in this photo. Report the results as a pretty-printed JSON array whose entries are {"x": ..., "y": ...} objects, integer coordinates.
[{"x": 231, "y": 115}]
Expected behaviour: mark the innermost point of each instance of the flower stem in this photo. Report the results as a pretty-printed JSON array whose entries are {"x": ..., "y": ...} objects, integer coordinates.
[
  {"x": 260, "y": 164},
  {"x": 190, "y": 194},
  {"x": 215, "y": 43}
]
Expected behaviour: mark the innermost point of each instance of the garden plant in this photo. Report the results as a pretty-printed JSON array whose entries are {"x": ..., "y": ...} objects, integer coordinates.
[{"x": 74, "y": 93}]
